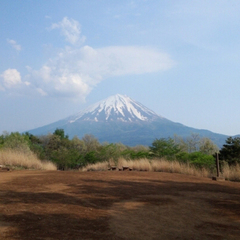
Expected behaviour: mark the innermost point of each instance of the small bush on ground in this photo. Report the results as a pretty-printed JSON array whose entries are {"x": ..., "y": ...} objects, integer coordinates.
[{"x": 197, "y": 159}]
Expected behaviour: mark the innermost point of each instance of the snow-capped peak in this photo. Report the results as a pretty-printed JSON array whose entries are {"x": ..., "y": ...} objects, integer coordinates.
[{"x": 116, "y": 108}]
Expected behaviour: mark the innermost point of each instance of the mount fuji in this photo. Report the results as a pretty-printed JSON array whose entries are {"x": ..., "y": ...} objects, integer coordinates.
[
  {"x": 121, "y": 119},
  {"x": 116, "y": 108}
]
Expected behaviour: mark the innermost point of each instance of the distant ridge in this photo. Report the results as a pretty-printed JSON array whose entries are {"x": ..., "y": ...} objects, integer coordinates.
[{"x": 119, "y": 118}]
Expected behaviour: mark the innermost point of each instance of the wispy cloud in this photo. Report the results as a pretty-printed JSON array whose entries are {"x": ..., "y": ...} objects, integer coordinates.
[
  {"x": 14, "y": 44},
  {"x": 70, "y": 29},
  {"x": 75, "y": 71}
]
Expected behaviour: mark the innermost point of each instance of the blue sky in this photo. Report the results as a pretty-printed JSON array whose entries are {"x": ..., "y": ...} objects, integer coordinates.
[{"x": 179, "y": 58}]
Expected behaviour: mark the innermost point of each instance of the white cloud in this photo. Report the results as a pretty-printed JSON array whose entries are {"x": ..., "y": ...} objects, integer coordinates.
[
  {"x": 14, "y": 44},
  {"x": 11, "y": 78},
  {"x": 74, "y": 72},
  {"x": 70, "y": 29},
  {"x": 129, "y": 60}
]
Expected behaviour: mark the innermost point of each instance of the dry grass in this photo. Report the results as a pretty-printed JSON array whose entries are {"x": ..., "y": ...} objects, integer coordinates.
[
  {"x": 157, "y": 165},
  {"x": 162, "y": 165},
  {"x": 100, "y": 166},
  {"x": 24, "y": 160},
  {"x": 231, "y": 172},
  {"x": 139, "y": 165}
]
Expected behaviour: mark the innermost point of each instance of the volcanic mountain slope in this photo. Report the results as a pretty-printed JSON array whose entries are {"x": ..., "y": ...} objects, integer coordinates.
[
  {"x": 121, "y": 119},
  {"x": 116, "y": 108}
]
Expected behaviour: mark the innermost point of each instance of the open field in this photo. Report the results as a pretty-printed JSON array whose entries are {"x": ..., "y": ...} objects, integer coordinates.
[{"x": 116, "y": 205}]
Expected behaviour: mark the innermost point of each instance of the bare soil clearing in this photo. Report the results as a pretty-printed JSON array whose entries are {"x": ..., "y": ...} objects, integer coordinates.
[{"x": 116, "y": 205}]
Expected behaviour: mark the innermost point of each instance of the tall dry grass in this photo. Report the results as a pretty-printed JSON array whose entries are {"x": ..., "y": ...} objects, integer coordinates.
[
  {"x": 139, "y": 165},
  {"x": 100, "y": 166},
  {"x": 231, "y": 173},
  {"x": 24, "y": 160},
  {"x": 157, "y": 165}
]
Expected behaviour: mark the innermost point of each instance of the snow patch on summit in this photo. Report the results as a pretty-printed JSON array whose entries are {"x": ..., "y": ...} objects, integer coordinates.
[{"x": 116, "y": 108}]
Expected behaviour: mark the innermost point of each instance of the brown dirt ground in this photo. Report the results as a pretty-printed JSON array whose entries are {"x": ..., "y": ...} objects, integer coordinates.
[{"x": 116, "y": 205}]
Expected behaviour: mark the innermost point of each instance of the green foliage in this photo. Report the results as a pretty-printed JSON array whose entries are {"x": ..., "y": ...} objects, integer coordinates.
[
  {"x": 16, "y": 141},
  {"x": 230, "y": 151},
  {"x": 2, "y": 138},
  {"x": 53, "y": 143},
  {"x": 140, "y": 154},
  {"x": 164, "y": 147},
  {"x": 131, "y": 154},
  {"x": 38, "y": 150},
  {"x": 109, "y": 151},
  {"x": 197, "y": 159},
  {"x": 64, "y": 152},
  {"x": 183, "y": 157},
  {"x": 66, "y": 158},
  {"x": 91, "y": 157},
  {"x": 74, "y": 153},
  {"x": 35, "y": 145},
  {"x": 60, "y": 133},
  {"x": 202, "y": 160}
]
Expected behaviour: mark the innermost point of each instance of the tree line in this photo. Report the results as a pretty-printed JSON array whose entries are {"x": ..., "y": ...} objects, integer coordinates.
[{"x": 75, "y": 153}]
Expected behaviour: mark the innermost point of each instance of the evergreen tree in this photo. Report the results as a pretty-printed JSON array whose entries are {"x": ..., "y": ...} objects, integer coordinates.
[{"x": 230, "y": 151}]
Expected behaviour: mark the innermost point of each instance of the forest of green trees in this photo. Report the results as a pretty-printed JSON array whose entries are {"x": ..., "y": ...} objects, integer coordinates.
[{"x": 76, "y": 153}]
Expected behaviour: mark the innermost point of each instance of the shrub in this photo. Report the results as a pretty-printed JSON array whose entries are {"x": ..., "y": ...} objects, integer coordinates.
[
  {"x": 90, "y": 157},
  {"x": 164, "y": 148},
  {"x": 17, "y": 142},
  {"x": 197, "y": 159}
]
